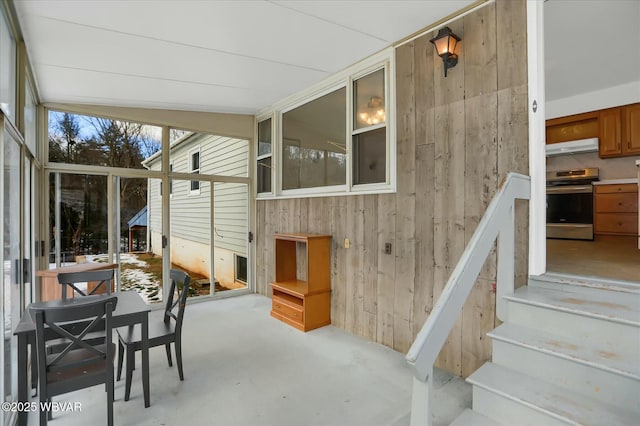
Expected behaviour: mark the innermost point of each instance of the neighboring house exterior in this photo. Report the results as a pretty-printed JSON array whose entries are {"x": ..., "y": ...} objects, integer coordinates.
[{"x": 190, "y": 207}]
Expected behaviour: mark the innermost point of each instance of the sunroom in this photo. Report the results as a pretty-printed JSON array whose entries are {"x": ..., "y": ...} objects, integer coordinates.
[{"x": 328, "y": 167}]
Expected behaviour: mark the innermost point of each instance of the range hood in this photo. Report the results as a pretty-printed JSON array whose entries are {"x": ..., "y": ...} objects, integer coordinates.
[{"x": 572, "y": 147}]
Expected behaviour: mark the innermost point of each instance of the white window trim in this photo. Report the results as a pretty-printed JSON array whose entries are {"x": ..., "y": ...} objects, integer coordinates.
[
  {"x": 384, "y": 59},
  {"x": 190, "y": 170}
]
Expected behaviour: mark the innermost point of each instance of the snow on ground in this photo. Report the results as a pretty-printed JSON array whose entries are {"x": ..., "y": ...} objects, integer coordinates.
[
  {"x": 134, "y": 279},
  {"x": 142, "y": 282}
]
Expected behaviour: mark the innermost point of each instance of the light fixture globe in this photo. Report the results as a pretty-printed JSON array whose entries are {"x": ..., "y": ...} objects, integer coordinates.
[{"x": 445, "y": 43}]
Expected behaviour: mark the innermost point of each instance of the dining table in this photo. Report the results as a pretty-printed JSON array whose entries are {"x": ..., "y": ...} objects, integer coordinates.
[{"x": 130, "y": 310}]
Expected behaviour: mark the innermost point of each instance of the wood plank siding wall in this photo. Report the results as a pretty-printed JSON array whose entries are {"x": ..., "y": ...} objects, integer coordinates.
[{"x": 457, "y": 138}]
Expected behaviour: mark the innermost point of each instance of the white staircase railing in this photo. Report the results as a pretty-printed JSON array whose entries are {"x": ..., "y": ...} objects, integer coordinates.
[{"x": 498, "y": 223}]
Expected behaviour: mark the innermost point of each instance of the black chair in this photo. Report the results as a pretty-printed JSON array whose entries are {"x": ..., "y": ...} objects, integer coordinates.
[
  {"x": 80, "y": 364},
  {"x": 71, "y": 279},
  {"x": 164, "y": 332}
]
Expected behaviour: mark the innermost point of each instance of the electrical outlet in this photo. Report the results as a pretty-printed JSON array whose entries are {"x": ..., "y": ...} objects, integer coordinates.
[
  {"x": 347, "y": 243},
  {"x": 387, "y": 248}
]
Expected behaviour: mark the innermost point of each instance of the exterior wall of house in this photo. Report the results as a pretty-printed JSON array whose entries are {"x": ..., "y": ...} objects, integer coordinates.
[
  {"x": 191, "y": 212},
  {"x": 457, "y": 138}
]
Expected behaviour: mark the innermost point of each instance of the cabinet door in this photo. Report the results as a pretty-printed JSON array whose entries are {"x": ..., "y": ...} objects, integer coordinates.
[
  {"x": 610, "y": 138},
  {"x": 631, "y": 143}
]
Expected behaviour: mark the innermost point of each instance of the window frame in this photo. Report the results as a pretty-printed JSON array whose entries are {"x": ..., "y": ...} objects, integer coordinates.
[
  {"x": 383, "y": 60},
  {"x": 258, "y": 157},
  {"x": 191, "y": 170},
  {"x": 390, "y": 115},
  {"x": 301, "y": 192}
]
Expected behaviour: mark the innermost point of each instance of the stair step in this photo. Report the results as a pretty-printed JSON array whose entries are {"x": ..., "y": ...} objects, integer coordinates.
[
  {"x": 607, "y": 305},
  {"x": 579, "y": 283},
  {"x": 585, "y": 366},
  {"x": 613, "y": 360},
  {"x": 472, "y": 418},
  {"x": 527, "y": 400}
]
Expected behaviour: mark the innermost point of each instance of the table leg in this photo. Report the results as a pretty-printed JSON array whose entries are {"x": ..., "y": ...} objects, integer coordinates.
[
  {"x": 145, "y": 360},
  {"x": 34, "y": 364},
  {"x": 22, "y": 377}
]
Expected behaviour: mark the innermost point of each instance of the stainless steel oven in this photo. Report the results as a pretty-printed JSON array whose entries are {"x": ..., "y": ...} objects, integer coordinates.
[{"x": 570, "y": 203}]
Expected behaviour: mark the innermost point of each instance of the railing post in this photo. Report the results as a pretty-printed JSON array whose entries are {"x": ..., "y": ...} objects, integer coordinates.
[
  {"x": 421, "y": 401},
  {"x": 506, "y": 262}
]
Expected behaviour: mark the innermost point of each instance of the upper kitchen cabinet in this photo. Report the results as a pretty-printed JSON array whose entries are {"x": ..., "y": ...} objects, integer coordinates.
[
  {"x": 572, "y": 127},
  {"x": 620, "y": 131},
  {"x": 631, "y": 120}
]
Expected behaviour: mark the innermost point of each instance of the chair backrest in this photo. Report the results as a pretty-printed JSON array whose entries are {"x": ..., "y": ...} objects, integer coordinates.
[
  {"x": 177, "y": 277},
  {"x": 72, "y": 320},
  {"x": 103, "y": 277}
]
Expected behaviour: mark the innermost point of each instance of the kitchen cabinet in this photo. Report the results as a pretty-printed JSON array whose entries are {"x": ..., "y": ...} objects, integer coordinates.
[
  {"x": 631, "y": 120},
  {"x": 620, "y": 131},
  {"x": 302, "y": 289},
  {"x": 616, "y": 209},
  {"x": 572, "y": 127}
]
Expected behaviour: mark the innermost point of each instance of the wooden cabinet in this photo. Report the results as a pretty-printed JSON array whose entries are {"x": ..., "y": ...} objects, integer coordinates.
[
  {"x": 302, "y": 288},
  {"x": 572, "y": 127},
  {"x": 616, "y": 209},
  {"x": 610, "y": 138},
  {"x": 631, "y": 126},
  {"x": 51, "y": 289},
  {"x": 620, "y": 131}
]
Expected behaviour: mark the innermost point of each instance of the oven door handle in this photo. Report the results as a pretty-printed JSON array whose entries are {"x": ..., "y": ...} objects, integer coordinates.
[{"x": 583, "y": 189}]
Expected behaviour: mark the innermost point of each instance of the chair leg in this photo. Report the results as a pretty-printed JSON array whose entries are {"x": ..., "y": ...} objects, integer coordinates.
[
  {"x": 130, "y": 364},
  {"x": 50, "y": 411},
  {"x": 178, "y": 346},
  {"x": 120, "y": 357},
  {"x": 110, "y": 401},
  {"x": 44, "y": 416},
  {"x": 168, "y": 349}
]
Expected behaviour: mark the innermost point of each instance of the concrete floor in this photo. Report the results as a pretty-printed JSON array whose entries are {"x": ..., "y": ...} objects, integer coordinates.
[
  {"x": 243, "y": 367},
  {"x": 615, "y": 257}
]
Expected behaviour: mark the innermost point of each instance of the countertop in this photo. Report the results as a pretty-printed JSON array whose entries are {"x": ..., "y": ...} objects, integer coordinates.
[{"x": 616, "y": 181}]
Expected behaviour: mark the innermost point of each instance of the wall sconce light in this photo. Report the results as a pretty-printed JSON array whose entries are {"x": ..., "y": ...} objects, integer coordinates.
[{"x": 445, "y": 43}]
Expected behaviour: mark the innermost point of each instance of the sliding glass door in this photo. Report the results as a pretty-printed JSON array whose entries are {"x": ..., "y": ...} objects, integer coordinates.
[{"x": 11, "y": 262}]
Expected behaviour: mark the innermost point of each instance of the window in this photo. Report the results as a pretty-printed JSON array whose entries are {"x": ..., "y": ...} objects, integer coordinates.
[
  {"x": 264, "y": 156},
  {"x": 241, "y": 269},
  {"x": 313, "y": 143},
  {"x": 7, "y": 69},
  {"x": 336, "y": 138},
  {"x": 195, "y": 168},
  {"x": 30, "y": 113},
  {"x": 369, "y": 129},
  {"x": 98, "y": 141}
]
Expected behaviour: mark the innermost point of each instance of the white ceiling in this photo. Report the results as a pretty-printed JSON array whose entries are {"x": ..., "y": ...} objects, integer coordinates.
[
  {"x": 590, "y": 46},
  {"x": 220, "y": 56}
]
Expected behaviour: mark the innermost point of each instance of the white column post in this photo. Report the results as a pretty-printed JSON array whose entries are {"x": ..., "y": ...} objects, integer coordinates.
[{"x": 421, "y": 399}]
